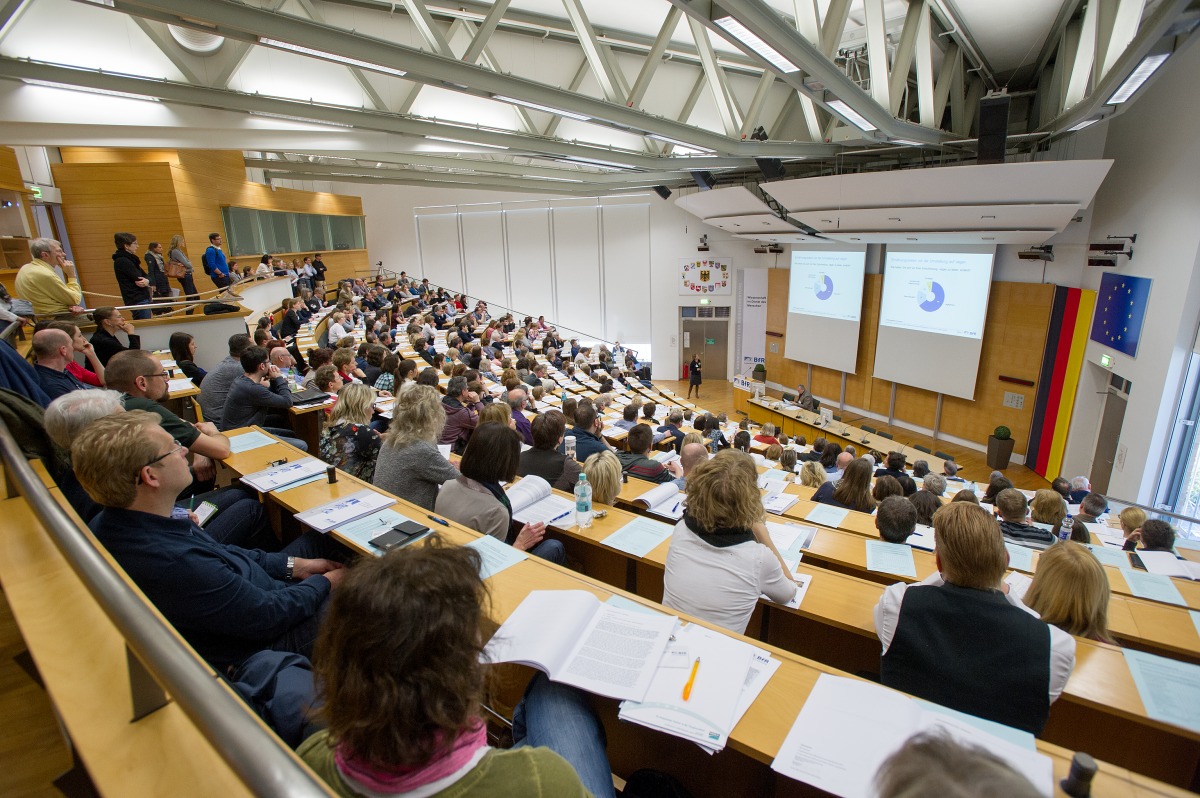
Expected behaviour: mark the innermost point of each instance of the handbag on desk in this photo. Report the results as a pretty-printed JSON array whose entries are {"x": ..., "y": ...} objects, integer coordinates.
[{"x": 176, "y": 270}]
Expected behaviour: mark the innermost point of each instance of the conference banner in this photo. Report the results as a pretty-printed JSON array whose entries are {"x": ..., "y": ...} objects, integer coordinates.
[
  {"x": 705, "y": 277},
  {"x": 752, "y": 318}
]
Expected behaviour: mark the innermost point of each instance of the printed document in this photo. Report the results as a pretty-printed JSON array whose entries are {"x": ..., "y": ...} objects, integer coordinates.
[{"x": 533, "y": 501}]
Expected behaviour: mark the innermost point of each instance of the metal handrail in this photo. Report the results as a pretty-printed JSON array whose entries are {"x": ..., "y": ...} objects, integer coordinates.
[
  {"x": 259, "y": 758},
  {"x": 1158, "y": 512}
]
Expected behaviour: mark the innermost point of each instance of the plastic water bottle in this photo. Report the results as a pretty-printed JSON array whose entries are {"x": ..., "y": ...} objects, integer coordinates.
[
  {"x": 1064, "y": 529},
  {"x": 583, "y": 503},
  {"x": 569, "y": 446}
]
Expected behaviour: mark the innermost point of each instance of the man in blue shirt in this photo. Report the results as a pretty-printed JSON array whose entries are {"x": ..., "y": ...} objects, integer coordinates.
[
  {"x": 214, "y": 260},
  {"x": 53, "y": 350},
  {"x": 227, "y": 602}
]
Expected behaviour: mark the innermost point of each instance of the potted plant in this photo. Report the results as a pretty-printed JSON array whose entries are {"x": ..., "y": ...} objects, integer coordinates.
[
  {"x": 1000, "y": 448},
  {"x": 760, "y": 372}
]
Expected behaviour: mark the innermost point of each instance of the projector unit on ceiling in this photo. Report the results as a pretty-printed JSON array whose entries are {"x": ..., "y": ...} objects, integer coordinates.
[
  {"x": 775, "y": 249},
  {"x": 760, "y": 250},
  {"x": 1044, "y": 252}
]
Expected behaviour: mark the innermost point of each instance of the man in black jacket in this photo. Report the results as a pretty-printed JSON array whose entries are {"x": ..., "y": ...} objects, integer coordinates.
[
  {"x": 895, "y": 468},
  {"x": 134, "y": 284}
]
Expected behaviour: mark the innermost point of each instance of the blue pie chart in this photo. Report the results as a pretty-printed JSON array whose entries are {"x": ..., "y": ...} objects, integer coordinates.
[
  {"x": 933, "y": 302},
  {"x": 826, "y": 291}
]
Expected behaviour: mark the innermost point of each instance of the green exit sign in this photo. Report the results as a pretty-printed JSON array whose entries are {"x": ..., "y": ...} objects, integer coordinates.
[
  {"x": 1106, "y": 361},
  {"x": 36, "y": 191},
  {"x": 710, "y": 341}
]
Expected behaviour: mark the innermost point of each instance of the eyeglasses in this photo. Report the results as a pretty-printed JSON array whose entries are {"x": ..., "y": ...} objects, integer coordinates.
[
  {"x": 164, "y": 456},
  {"x": 166, "y": 375}
]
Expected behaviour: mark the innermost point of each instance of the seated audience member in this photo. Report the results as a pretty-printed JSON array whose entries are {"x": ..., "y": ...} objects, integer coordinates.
[
  {"x": 935, "y": 484},
  {"x": 282, "y": 359},
  {"x": 637, "y": 462},
  {"x": 1070, "y": 590},
  {"x": 1061, "y": 486},
  {"x": 950, "y": 471},
  {"x": 476, "y": 500},
  {"x": 227, "y": 602},
  {"x": 410, "y": 465},
  {"x": 886, "y": 486},
  {"x": 766, "y": 434},
  {"x": 109, "y": 322},
  {"x": 517, "y": 401},
  {"x": 894, "y": 467},
  {"x": 936, "y": 764},
  {"x": 429, "y": 376},
  {"x": 693, "y": 455},
  {"x": 1153, "y": 535},
  {"x": 956, "y": 639},
  {"x": 721, "y": 558},
  {"x": 54, "y": 350},
  {"x": 1048, "y": 507},
  {"x": 852, "y": 491},
  {"x": 628, "y": 418},
  {"x": 327, "y": 378},
  {"x": 829, "y": 459},
  {"x": 1014, "y": 522},
  {"x": 840, "y": 463},
  {"x": 260, "y": 390},
  {"x": 398, "y": 659},
  {"x": 499, "y": 413},
  {"x": 814, "y": 454},
  {"x": 804, "y": 399},
  {"x": 712, "y": 431},
  {"x": 741, "y": 441},
  {"x": 183, "y": 352},
  {"x": 1090, "y": 509},
  {"x": 347, "y": 440},
  {"x": 787, "y": 461},
  {"x": 1080, "y": 488},
  {"x": 965, "y": 495},
  {"x": 1131, "y": 519},
  {"x": 604, "y": 475},
  {"x": 587, "y": 431},
  {"x": 920, "y": 469},
  {"x": 772, "y": 454},
  {"x": 544, "y": 460},
  {"x": 926, "y": 504},
  {"x": 142, "y": 380},
  {"x": 996, "y": 484},
  {"x": 462, "y": 409},
  {"x": 896, "y": 518},
  {"x": 215, "y": 389},
  {"x": 674, "y": 419},
  {"x": 339, "y": 328},
  {"x": 343, "y": 359},
  {"x": 93, "y": 373},
  {"x": 64, "y": 419},
  {"x": 812, "y": 475}
]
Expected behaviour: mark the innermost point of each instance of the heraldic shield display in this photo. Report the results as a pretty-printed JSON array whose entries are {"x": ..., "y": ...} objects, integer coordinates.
[{"x": 705, "y": 276}]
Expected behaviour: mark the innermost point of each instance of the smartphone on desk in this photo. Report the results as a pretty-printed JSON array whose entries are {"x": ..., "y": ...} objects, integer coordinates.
[{"x": 400, "y": 535}]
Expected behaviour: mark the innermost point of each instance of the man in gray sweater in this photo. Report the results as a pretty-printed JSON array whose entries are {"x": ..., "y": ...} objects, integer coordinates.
[
  {"x": 260, "y": 389},
  {"x": 215, "y": 388}
]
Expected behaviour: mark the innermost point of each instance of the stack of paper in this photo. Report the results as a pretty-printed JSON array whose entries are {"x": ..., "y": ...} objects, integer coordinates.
[
  {"x": 827, "y": 515},
  {"x": 1152, "y": 587},
  {"x": 921, "y": 538},
  {"x": 703, "y": 687},
  {"x": 576, "y": 640},
  {"x": 495, "y": 555},
  {"x": 283, "y": 475},
  {"x": 250, "y": 440},
  {"x": 639, "y": 537},
  {"x": 1165, "y": 563},
  {"x": 891, "y": 558},
  {"x": 533, "y": 500},
  {"x": 664, "y": 500},
  {"x": 772, "y": 485},
  {"x": 778, "y": 503},
  {"x": 848, "y": 727},
  {"x": 346, "y": 509}
]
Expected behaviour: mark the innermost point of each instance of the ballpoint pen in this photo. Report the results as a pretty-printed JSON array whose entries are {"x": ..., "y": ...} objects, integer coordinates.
[
  {"x": 687, "y": 688},
  {"x": 560, "y": 517},
  {"x": 437, "y": 520}
]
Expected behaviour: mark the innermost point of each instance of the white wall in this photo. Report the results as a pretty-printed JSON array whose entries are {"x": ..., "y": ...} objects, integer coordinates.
[
  {"x": 1151, "y": 191},
  {"x": 588, "y": 265}
]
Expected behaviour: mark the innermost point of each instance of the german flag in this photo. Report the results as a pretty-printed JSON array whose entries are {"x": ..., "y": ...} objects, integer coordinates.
[{"x": 1062, "y": 363}]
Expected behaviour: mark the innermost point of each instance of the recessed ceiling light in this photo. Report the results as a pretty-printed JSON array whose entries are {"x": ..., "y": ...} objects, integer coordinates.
[
  {"x": 468, "y": 143},
  {"x": 747, "y": 37},
  {"x": 1137, "y": 77},
  {"x": 851, "y": 116},
  {"x": 545, "y": 108},
  {"x": 328, "y": 56}
]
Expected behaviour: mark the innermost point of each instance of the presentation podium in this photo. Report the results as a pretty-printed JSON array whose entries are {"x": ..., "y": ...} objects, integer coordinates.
[{"x": 743, "y": 392}]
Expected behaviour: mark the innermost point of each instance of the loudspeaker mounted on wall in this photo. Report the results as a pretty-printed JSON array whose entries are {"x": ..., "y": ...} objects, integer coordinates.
[
  {"x": 663, "y": 192},
  {"x": 704, "y": 180},
  {"x": 771, "y": 168},
  {"x": 993, "y": 128}
]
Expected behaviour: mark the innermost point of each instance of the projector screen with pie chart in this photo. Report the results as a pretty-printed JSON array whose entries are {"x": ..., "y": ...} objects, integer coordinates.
[
  {"x": 825, "y": 292},
  {"x": 932, "y": 313}
]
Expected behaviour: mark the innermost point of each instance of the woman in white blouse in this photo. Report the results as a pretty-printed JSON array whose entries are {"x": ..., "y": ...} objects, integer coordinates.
[{"x": 721, "y": 557}]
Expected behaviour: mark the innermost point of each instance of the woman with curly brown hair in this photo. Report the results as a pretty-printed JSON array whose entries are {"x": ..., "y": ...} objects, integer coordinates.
[
  {"x": 721, "y": 557},
  {"x": 398, "y": 664}
]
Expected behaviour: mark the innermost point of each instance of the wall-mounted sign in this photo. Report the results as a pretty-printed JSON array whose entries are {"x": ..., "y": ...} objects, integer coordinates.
[{"x": 707, "y": 276}]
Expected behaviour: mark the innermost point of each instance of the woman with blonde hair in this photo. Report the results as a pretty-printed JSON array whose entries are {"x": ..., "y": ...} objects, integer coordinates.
[
  {"x": 696, "y": 437},
  {"x": 499, "y": 413},
  {"x": 1132, "y": 519},
  {"x": 721, "y": 557},
  {"x": 410, "y": 464},
  {"x": 1070, "y": 590},
  {"x": 812, "y": 475},
  {"x": 603, "y": 471},
  {"x": 1048, "y": 507},
  {"x": 347, "y": 441}
]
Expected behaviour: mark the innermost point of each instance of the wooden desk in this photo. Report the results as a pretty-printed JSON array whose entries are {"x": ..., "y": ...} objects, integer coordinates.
[{"x": 756, "y": 739}]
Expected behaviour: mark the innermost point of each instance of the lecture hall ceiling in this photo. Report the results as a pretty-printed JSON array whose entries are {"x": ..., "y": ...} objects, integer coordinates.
[{"x": 569, "y": 96}]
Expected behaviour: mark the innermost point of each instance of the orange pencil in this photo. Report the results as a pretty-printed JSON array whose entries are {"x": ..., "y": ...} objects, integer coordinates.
[{"x": 687, "y": 688}]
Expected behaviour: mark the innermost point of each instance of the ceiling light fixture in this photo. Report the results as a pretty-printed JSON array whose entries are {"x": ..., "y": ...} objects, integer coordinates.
[
  {"x": 1137, "y": 77},
  {"x": 545, "y": 108},
  {"x": 594, "y": 162},
  {"x": 468, "y": 143},
  {"x": 911, "y": 143},
  {"x": 49, "y": 84},
  {"x": 306, "y": 120},
  {"x": 679, "y": 143},
  {"x": 747, "y": 37},
  {"x": 328, "y": 56},
  {"x": 557, "y": 179},
  {"x": 1082, "y": 125},
  {"x": 851, "y": 116}
]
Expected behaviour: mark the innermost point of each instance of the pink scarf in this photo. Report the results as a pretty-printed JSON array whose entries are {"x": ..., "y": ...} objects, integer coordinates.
[{"x": 402, "y": 780}]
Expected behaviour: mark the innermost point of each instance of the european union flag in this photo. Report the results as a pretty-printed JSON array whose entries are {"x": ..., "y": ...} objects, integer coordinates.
[{"x": 1120, "y": 311}]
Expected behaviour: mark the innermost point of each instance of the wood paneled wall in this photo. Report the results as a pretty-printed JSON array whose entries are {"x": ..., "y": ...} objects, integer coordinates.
[
  {"x": 156, "y": 194},
  {"x": 10, "y": 179},
  {"x": 1014, "y": 339}
]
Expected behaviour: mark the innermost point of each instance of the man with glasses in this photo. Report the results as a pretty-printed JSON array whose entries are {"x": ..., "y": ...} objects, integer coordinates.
[
  {"x": 227, "y": 602},
  {"x": 142, "y": 380}
]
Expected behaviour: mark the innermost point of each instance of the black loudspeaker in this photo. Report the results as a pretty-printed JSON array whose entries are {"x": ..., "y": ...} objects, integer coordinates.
[
  {"x": 704, "y": 180},
  {"x": 771, "y": 168},
  {"x": 662, "y": 191},
  {"x": 993, "y": 129}
]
